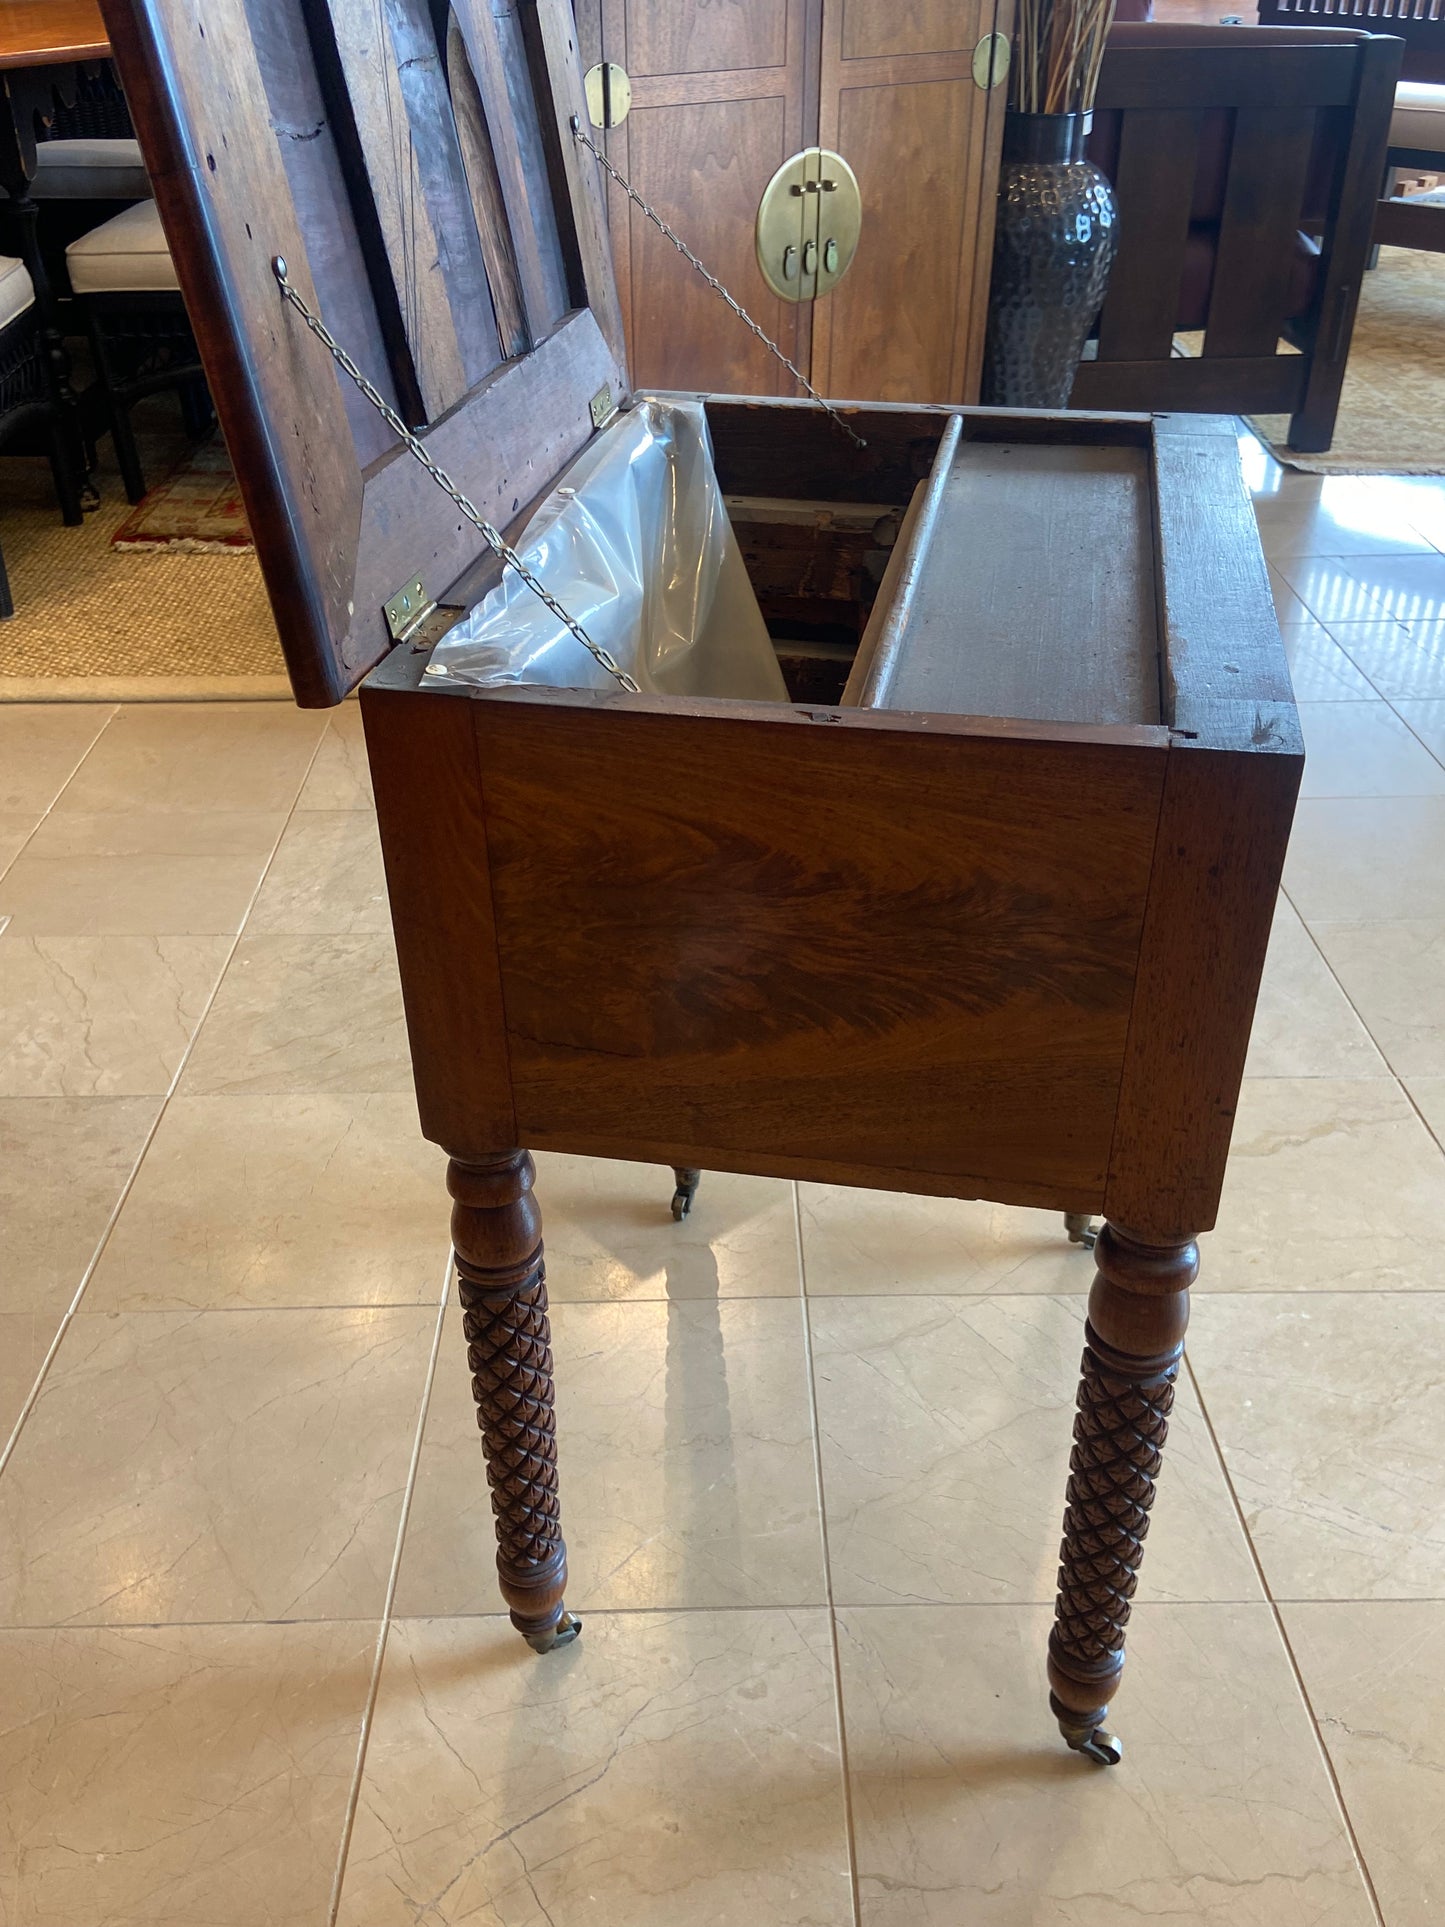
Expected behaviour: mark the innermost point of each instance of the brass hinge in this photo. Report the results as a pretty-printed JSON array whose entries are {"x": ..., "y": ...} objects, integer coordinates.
[
  {"x": 602, "y": 406},
  {"x": 407, "y": 610}
]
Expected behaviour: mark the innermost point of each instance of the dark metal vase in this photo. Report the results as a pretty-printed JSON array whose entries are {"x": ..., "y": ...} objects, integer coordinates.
[{"x": 1053, "y": 248}]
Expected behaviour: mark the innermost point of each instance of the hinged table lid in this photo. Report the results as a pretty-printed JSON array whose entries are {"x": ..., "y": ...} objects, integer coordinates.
[{"x": 412, "y": 161}]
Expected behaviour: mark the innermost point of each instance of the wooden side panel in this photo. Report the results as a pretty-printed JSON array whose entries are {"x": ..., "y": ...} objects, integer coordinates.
[
  {"x": 899, "y": 101},
  {"x": 1226, "y": 680},
  {"x": 433, "y": 839},
  {"x": 789, "y": 936},
  {"x": 1234, "y": 770},
  {"x": 1222, "y": 837}
]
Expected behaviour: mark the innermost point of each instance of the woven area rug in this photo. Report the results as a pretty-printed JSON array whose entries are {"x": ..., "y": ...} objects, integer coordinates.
[
  {"x": 196, "y": 510},
  {"x": 1392, "y": 410},
  {"x": 96, "y": 623}
]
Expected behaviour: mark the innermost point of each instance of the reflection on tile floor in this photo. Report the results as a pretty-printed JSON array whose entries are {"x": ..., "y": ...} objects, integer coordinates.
[{"x": 812, "y": 1440}]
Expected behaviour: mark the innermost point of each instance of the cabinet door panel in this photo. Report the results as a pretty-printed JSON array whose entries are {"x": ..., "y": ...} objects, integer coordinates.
[
  {"x": 706, "y": 167},
  {"x": 709, "y": 37},
  {"x": 873, "y": 27},
  {"x": 718, "y": 103},
  {"x": 893, "y": 318},
  {"x": 725, "y": 90},
  {"x": 906, "y": 322}
]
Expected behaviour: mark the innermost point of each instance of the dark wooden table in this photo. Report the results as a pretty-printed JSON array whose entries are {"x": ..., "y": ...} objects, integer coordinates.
[{"x": 38, "y": 33}]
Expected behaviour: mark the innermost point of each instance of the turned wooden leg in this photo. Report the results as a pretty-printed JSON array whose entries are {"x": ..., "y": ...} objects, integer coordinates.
[
  {"x": 501, "y": 1280},
  {"x": 1133, "y": 1346}
]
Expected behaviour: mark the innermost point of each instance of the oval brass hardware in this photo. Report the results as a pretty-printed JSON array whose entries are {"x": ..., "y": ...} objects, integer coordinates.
[
  {"x": 609, "y": 94},
  {"x": 809, "y": 218},
  {"x": 991, "y": 60}
]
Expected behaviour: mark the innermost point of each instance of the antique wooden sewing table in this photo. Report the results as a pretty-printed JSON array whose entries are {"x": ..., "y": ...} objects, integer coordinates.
[{"x": 988, "y": 921}]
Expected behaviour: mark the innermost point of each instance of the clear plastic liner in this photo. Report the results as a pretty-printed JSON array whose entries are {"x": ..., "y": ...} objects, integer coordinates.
[{"x": 637, "y": 548}]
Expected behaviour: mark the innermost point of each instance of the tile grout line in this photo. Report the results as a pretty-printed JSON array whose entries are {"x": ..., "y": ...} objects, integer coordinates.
[
  {"x": 1397, "y": 1076},
  {"x": 1366, "y": 1877},
  {"x": 44, "y": 815},
  {"x": 849, "y": 1829},
  {"x": 105, "y": 1236},
  {"x": 368, "y": 1716},
  {"x": 499, "y": 1614}
]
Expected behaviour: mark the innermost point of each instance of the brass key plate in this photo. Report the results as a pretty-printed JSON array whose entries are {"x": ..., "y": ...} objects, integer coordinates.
[{"x": 809, "y": 220}]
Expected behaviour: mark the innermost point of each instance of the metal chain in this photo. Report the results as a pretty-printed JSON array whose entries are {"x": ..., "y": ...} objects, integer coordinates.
[
  {"x": 443, "y": 481},
  {"x": 584, "y": 140}
]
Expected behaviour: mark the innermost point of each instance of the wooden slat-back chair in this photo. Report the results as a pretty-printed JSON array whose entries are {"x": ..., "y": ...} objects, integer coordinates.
[
  {"x": 1247, "y": 163},
  {"x": 1421, "y": 25}
]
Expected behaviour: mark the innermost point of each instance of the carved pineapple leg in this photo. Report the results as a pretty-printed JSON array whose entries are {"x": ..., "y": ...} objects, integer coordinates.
[
  {"x": 501, "y": 1280},
  {"x": 1133, "y": 1345}
]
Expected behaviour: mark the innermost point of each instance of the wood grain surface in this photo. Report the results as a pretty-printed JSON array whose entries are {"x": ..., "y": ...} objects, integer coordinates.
[
  {"x": 899, "y": 101},
  {"x": 434, "y": 843},
  {"x": 397, "y": 96},
  {"x": 243, "y": 134},
  {"x": 799, "y": 939},
  {"x": 1036, "y": 593},
  {"x": 33, "y": 33}
]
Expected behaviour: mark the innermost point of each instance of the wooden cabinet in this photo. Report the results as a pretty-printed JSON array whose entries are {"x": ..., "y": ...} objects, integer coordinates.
[{"x": 722, "y": 94}]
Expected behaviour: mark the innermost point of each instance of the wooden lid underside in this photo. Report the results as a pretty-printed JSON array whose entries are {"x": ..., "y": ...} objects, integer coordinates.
[{"x": 414, "y": 166}]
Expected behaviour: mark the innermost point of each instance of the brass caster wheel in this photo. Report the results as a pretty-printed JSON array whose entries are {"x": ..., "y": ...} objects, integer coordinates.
[
  {"x": 1080, "y": 1227},
  {"x": 687, "y": 1182},
  {"x": 562, "y": 1634},
  {"x": 1097, "y": 1745}
]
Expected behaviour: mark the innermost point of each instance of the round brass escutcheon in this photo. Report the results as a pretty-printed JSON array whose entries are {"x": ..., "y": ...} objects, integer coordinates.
[
  {"x": 608, "y": 88},
  {"x": 809, "y": 221},
  {"x": 991, "y": 60}
]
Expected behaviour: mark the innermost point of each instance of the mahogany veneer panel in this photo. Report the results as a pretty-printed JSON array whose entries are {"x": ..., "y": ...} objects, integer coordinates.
[{"x": 817, "y": 940}]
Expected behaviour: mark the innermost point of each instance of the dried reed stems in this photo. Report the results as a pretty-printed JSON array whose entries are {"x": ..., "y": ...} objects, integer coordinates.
[{"x": 1058, "y": 45}]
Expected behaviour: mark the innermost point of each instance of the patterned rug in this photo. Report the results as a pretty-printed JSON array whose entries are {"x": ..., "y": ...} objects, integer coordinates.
[{"x": 197, "y": 509}]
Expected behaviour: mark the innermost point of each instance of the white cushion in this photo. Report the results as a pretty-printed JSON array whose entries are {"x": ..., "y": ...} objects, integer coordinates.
[
  {"x": 128, "y": 252},
  {"x": 16, "y": 293},
  {"x": 89, "y": 171},
  {"x": 1419, "y": 116}
]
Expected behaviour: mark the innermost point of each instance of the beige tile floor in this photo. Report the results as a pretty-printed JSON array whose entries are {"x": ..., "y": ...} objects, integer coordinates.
[{"x": 813, "y": 1441}]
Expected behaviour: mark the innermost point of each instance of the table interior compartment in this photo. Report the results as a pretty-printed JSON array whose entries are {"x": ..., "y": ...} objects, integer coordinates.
[{"x": 1032, "y": 591}]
